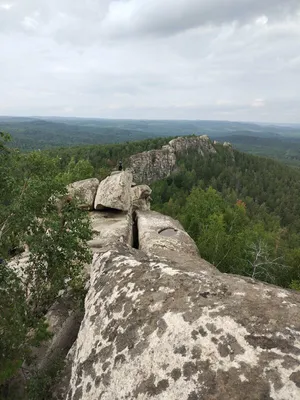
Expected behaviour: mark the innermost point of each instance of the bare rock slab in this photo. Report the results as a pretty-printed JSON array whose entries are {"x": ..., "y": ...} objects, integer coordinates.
[
  {"x": 114, "y": 192},
  {"x": 86, "y": 191},
  {"x": 160, "y": 232},
  {"x": 110, "y": 227},
  {"x": 161, "y": 329}
]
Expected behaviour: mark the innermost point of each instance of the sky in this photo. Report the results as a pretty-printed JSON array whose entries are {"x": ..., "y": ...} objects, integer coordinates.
[{"x": 151, "y": 59}]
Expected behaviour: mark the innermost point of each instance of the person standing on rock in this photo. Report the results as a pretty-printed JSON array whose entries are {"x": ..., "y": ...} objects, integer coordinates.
[{"x": 120, "y": 166}]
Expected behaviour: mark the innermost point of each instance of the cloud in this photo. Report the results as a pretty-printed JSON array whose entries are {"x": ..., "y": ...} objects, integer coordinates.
[
  {"x": 207, "y": 59},
  {"x": 168, "y": 17}
]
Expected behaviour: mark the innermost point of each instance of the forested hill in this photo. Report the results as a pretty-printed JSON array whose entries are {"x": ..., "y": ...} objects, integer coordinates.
[
  {"x": 243, "y": 211},
  {"x": 32, "y": 133}
]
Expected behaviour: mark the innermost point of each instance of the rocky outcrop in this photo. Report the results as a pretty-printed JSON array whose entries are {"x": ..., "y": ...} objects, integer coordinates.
[
  {"x": 159, "y": 234},
  {"x": 110, "y": 227},
  {"x": 153, "y": 165},
  {"x": 141, "y": 197},
  {"x": 85, "y": 191},
  {"x": 162, "y": 323},
  {"x": 114, "y": 192}
]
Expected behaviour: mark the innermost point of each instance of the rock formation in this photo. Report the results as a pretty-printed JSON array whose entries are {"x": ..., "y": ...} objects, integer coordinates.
[
  {"x": 162, "y": 323},
  {"x": 152, "y": 165},
  {"x": 114, "y": 192},
  {"x": 86, "y": 191},
  {"x": 141, "y": 197}
]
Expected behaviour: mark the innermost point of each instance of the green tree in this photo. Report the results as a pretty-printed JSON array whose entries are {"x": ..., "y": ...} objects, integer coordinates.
[{"x": 34, "y": 212}]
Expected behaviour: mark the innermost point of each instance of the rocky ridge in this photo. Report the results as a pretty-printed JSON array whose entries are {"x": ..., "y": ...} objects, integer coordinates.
[
  {"x": 153, "y": 165},
  {"x": 162, "y": 323}
]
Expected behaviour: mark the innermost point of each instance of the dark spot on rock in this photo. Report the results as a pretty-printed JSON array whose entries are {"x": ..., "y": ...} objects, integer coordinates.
[
  {"x": 295, "y": 377},
  {"x": 139, "y": 348},
  {"x": 202, "y": 331},
  {"x": 98, "y": 381},
  {"x": 176, "y": 374},
  {"x": 78, "y": 394},
  {"x": 271, "y": 343},
  {"x": 235, "y": 347},
  {"x": 205, "y": 294},
  {"x": 148, "y": 387},
  {"x": 119, "y": 359},
  {"x": 194, "y": 334},
  {"x": 88, "y": 387},
  {"x": 106, "y": 379},
  {"x": 180, "y": 350},
  {"x": 196, "y": 352},
  {"x": 214, "y": 340},
  {"x": 162, "y": 327},
  {"x": 93, "y": 318},
  {"x": 289, "y": 362},
  {"x": 193, "y": 396},
  {"x": 189, "y": 369},
  {"x": 223, "y": 350},
  {"x": 105, "y": 353},
  {"x": 127, "y": 339},
  {"x": 105, "y": 365},
  {"x": 212, "y": 328}
]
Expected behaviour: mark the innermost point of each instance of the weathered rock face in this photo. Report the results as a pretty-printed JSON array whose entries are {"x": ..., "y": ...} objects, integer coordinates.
[
  {"x": 164, "y": 324},
  {"x": 114, "y": 192},
  {"x": 159, "y": 233},
  {"x": 86, "y": 191},
  {"x": 158, "y": 164},
  {"x": 141, "y": 197},
  {"x": 153, "y": 165},
  {"x": 109, "y": 228}
]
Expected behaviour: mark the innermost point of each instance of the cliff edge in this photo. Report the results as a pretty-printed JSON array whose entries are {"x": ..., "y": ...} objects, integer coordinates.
[{"x": 162, "y": 323}]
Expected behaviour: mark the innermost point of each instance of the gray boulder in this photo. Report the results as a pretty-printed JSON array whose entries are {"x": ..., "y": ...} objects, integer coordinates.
[
  {"x": 114, "y": 192},
  {"x": 141, "y": 197},
  {"x": 109, "y": 228},
  {"x": 86, "y": 191}
]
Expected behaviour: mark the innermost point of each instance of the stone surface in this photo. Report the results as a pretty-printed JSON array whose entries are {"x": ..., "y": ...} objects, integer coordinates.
[
  {"x": 140, "y": 196},
  {"x": 110, "y": 227},
  {"x": 114, "y": 192},
  {"x": 86, "y": 191},
  {"x": 158, "y": 232},
  {"x": 176, "y": 328},
  {"x": 153, "y": 165}
]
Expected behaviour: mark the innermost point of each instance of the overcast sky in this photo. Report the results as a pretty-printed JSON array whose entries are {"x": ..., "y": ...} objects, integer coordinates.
[{"x": 172, "y": 59}]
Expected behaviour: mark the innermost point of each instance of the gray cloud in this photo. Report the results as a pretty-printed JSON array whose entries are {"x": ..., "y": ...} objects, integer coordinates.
[
  {"x": 211, "y": 59},
  {"x": 168, "y": 17}
]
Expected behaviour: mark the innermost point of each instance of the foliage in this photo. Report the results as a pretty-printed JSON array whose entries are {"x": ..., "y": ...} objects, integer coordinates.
[
  {"x": 40, "y": 386},
  {"x": 76, "y": 171},
  {"x": 243, "y": 212},
  {"x": 35, "y": 212}
]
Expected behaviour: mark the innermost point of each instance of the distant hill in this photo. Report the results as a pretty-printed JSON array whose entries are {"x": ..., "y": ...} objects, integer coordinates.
[
  {"x": 39, "y": 133},
  {"x": 283, "y": 148}
]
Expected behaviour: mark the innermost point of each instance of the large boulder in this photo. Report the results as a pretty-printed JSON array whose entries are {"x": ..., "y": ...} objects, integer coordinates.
[
  {"x": 161, "y": 329},
  {"x": 159, "y": 233},
  {"x": 164, "y": 324},
  {"x": 85, "y": 191},
  {"x": 114, "y": 192},
  {"x": 109, "y": 228},
  {"x": 141, "y": 197}
]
